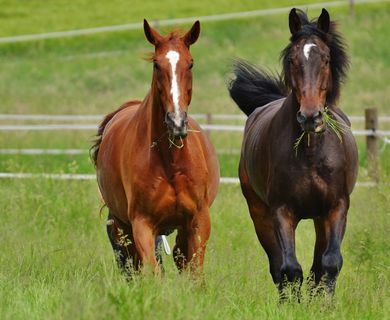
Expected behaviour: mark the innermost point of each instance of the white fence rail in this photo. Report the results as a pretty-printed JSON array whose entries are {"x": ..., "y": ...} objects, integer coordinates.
[
  {"x": 207, "y": 127},
  {"x": 80, "y": 126},
  {"x": 72, "y": 176},
  {"x": 97, "y": 117}
]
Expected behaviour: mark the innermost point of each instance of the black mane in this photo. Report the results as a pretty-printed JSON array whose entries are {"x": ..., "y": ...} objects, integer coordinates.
[{"x": 339, "y": 62}]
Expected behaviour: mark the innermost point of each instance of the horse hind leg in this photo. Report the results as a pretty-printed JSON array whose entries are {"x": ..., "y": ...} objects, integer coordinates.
[
  {"x": 121, "y": 243},
  {"x": 180, "y": 251},
  {"x": 158, "y": 244}
]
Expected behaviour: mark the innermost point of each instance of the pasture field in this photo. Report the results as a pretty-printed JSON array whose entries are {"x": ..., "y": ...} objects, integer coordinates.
[{"x": 56, "y": 262}]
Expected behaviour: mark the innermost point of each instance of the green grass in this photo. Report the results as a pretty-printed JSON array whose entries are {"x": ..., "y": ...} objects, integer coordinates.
[
  {"x": 37, "y": 16},
  {"x": 56, "y": 261},
  {"x": 95, "y": 74}
]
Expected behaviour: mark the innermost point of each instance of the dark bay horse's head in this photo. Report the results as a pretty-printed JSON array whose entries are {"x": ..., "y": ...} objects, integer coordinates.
[
  {"x": 172, "y": 75},
  {"x": 314, "y": 64}
]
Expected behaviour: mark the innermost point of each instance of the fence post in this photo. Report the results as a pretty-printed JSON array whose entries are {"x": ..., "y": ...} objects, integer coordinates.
[
  {"x": 371, "y": 117},
  {"x": 352, "y": 7},
  {"x": 209, "y": 120}
]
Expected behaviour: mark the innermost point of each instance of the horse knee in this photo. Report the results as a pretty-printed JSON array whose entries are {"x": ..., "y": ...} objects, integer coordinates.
[{"x": 331, "y": 264}]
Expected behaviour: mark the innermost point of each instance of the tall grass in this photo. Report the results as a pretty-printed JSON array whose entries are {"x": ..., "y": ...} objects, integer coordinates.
[
  {"x": 57, "y": 262},
  {"x": 95, "y": 74}
]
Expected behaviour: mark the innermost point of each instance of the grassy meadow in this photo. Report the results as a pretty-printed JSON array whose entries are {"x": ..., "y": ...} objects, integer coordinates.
[{"x": 56, "y": 262}]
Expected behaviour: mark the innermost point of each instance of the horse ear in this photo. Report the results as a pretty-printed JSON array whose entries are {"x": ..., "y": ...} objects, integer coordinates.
[
  {"x": 191, "y": 36},
  {"x": 323, "y": 22},
  {"x": 294, "y": 22},
  {"x": 151, "y": 34}
]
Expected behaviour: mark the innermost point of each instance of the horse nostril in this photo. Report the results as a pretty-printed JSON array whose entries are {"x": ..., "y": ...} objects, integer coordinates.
[
  {"x": 301, "y": 118},
  {"x": 318, "y": 119},
  {"x": 317, "y": 115}
]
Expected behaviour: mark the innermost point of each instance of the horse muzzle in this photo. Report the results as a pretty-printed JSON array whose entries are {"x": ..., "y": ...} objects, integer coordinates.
[
  {"x": 177, "y": 124},
  {"x": 314, "y": 123}
]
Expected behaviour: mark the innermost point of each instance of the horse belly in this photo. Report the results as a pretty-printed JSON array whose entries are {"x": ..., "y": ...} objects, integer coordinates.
[{"x": 113, "y": 193}]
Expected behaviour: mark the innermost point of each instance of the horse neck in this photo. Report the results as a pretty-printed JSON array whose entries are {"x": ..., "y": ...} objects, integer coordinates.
[
  {"x": 156, "y": 112},
  {"x": 155, "y": 128},
  {"x": 289, "y": 113}
]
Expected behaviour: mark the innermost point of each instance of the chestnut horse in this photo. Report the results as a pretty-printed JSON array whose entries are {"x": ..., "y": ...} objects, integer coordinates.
[
  {"x": 157, "y": 171},
  {"x": 283, "y": 185}
]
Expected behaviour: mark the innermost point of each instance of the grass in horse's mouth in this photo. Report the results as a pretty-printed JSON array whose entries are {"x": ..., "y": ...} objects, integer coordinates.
[
  {"x": 334, "y": 125},
  {"x": 297, "y": 143}
]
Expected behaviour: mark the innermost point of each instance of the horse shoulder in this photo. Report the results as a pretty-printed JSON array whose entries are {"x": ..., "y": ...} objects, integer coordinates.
[
  {"x": 341, "y": 115},
  {"x": 256, "y": 146},
  {"x": 209, "y": 158}
]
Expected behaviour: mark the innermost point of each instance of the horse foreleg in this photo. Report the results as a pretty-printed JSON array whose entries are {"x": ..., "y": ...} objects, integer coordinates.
[
  {"x": 328, "y": 261},
  {"x": 192, "y": 241},
  {"x": 264, "y": 227},
  {"x": 144, "y": 239},
  {"x": 285, "y": 225},
  {"x": 316, "y": 272},
  {"x": 265, "y": 231},
  {"x": 198, "y": 235}
]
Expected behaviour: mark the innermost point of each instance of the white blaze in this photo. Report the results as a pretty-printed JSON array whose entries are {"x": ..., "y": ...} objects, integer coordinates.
[
  {"x": 307, "y": 48},
  {"x": 173, "y": 57}
]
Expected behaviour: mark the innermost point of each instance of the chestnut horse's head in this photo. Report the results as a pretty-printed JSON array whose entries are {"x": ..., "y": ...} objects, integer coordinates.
[
  {"x": 172, "y": 75},
  {"x": 314, "y": 65}
]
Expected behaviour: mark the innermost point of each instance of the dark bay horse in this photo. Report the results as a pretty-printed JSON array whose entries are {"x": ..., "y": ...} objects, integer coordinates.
[
  {"x": 157, "y": 171},
  {"x": 282, "y": 183}
]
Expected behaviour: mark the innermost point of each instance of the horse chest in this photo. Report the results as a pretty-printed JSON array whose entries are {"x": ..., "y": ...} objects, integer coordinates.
[
  {"x": 316, "y": 190},
  {"x": 168, "y": 198}
]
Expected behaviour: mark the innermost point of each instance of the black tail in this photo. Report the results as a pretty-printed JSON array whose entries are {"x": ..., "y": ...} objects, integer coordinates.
[{"x": 253, "y": 87}]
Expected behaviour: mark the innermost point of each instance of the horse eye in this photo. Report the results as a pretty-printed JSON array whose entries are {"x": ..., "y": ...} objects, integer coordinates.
[
  {"x": 156, "y": 66},
  {"x": 326, "y": 60},
  {"x": 191, "y": 65}
]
